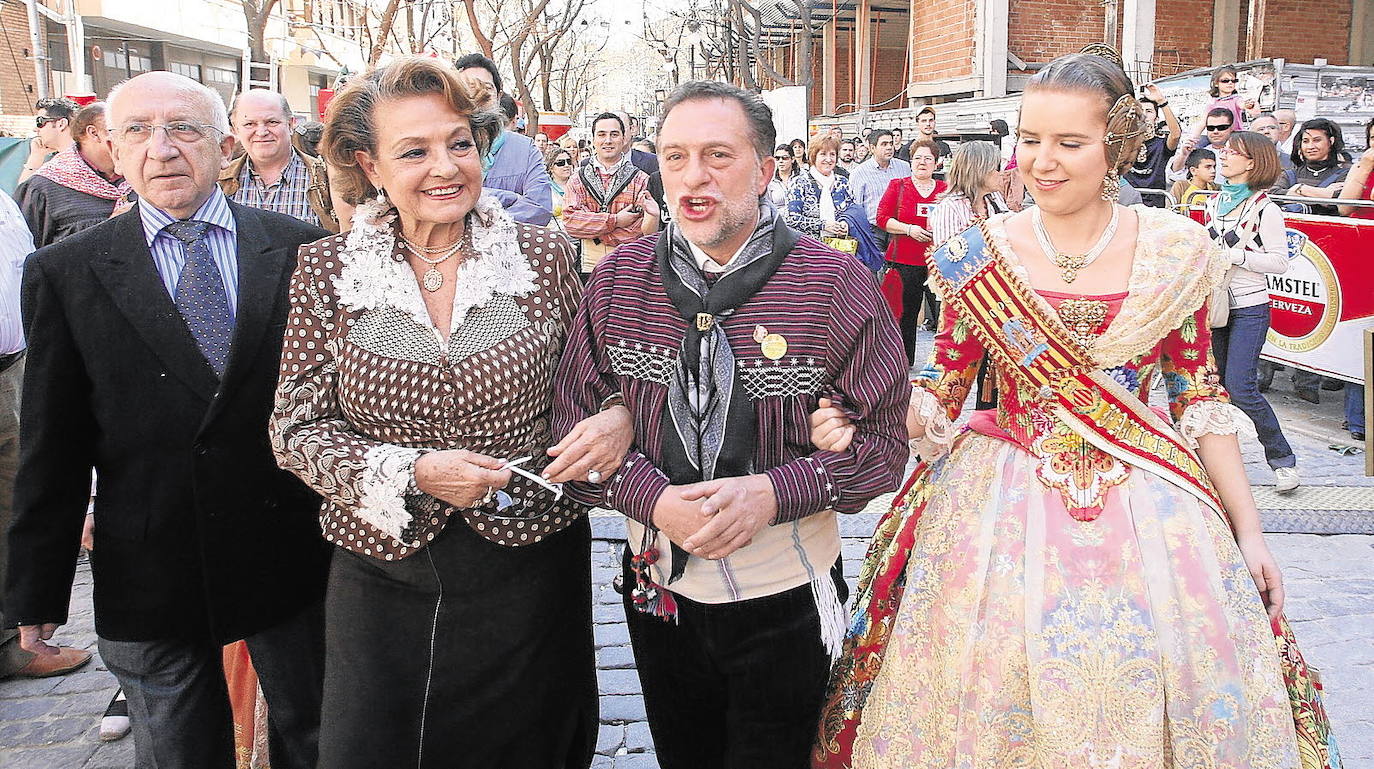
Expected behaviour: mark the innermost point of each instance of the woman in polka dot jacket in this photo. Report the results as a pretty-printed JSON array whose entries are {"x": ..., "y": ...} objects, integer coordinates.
[{"x": 416, "y": 375}]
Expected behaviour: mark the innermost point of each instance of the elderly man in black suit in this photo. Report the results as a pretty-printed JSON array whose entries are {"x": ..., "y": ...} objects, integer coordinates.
[{"x": 154, "y": 342}]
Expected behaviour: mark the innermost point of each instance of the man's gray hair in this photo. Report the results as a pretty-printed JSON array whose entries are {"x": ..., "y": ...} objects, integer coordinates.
[
  {"x": 756, "y": 111},
  {"x": 281, "y": 100},
  {"x": 219, "y": 115}
]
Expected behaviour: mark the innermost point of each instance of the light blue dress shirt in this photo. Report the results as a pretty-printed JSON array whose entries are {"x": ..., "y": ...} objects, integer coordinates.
[{"x": 169, "y": 254}]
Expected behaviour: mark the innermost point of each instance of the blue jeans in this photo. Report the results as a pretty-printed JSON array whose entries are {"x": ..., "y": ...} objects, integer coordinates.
[
  {"x": 1354, "y": 407},
  {"x": 1236, "y": 347}
]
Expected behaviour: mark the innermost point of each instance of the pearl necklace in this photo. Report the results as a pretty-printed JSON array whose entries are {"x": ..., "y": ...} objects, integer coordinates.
[
  {"x": 1070, "y": 264},
  {"x": 432, "y": 279}
]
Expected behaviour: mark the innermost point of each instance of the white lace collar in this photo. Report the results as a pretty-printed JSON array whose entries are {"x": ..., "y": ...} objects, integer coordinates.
[{"x": 371, "y": 278}]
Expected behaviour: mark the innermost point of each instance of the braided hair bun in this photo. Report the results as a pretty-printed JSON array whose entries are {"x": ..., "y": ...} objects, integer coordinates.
[{"x": 1095, "y": 73}]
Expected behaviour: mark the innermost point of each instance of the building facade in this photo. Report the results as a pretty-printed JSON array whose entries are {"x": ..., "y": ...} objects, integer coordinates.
[{"x": 875, "y": 55}]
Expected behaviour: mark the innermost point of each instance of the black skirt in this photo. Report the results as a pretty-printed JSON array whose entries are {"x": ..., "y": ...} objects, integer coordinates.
[{"x": 466, "y": 653}]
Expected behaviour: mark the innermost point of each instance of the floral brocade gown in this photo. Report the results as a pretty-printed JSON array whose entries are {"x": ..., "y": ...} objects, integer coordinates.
[{"x": 1055, "y": 606}]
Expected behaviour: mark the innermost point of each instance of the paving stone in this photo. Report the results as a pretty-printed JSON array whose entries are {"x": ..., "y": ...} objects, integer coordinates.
[
  {"x": 42, "y": 732},
  {"x": 605, "y": 612},
  {"x": 636, "y": 761},
  {"x": 618, "y": 681},
  {"x": 638, "y": 738},
  {"x": 85, "y": 681},
  {"x": 617, "y": 708},
  {"x": 612, "y": 635},
  {"x": 603, "y": 762},
  {"x": 609, "y": 739},
  {"x": 615, "y": 657},
  {"x": 52, "y": 757},
  {"x": 27, "y": 687}
]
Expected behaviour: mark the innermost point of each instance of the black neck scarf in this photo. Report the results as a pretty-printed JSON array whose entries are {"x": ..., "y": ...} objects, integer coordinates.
[{"x": 708, "y": 418}]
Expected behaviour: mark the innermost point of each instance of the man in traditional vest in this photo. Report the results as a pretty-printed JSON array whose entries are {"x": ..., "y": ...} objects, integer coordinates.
[
  {"x": 721, "y": 334},
  {"x": 607, "y": 202}
]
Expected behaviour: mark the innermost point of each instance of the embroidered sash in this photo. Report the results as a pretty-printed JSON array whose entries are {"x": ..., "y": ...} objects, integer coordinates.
[{"x": 1031, "y": 344}]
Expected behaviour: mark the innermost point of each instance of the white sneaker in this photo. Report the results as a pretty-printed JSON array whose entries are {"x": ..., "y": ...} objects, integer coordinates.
[
  {"x": 115, "y": 724},
  {"x": 1285, "y": 479}
]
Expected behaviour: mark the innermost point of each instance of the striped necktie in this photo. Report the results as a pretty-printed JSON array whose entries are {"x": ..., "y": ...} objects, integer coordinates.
[{"x": 200, "y": 295}]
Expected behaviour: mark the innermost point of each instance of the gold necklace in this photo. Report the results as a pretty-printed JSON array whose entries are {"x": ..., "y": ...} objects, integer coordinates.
[
  {"x": 1070, "y": 264},
  {"x": 432, "y": 280}
]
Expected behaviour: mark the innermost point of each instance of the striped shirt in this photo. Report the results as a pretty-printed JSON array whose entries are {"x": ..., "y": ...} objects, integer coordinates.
[
  {"x": 16, "y": 243},
  {"x": 169, "y": 254},
  {"x": 287, "y": 196},
  {"x": 841, "y": 344},
  {"x": 868, "y": 182}
]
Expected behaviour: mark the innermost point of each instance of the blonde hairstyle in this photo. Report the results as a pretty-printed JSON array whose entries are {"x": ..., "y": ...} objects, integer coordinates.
[
  {"x": 351, "y": 122},
  {"x": 970, "y": 166},
  {"x": 823, "y": 143}
]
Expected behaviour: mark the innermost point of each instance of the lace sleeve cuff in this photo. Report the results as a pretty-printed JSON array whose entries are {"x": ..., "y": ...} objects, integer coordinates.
[
  {"x": 1213, "y": 418},
  {"x": 388, "y": 479},
  {"x": 930, "y": 414}
]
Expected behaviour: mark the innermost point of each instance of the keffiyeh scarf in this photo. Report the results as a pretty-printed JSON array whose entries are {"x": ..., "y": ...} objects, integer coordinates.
[{"x": 70, "y": 170}]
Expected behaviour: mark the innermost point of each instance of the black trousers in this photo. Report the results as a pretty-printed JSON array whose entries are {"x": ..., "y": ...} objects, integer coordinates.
[
  {"x": 179, "y": 703},
  {"x": 465, "y": 654},
  {"x": 914, "y": 294},
  {"x": 736, "y": 685}
]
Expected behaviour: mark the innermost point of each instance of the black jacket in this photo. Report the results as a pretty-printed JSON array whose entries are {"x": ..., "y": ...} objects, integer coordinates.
[{"x": 198, "y": 534}]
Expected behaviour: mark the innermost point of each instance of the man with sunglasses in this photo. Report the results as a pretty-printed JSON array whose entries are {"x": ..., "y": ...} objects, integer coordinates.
[
  {"x": 79, "y": 187},
  {"x": 1217, "y": 128},
  {"x": 154, "y": 347},
  {"x": 53, "y": 123}
]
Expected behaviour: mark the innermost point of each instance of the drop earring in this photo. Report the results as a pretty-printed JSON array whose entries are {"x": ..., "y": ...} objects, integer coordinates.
[{"x": 1111, "y": 187}]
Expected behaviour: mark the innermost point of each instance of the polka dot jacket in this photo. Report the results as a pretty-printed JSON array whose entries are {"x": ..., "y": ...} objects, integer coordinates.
[{"x": 368, "y": 385}]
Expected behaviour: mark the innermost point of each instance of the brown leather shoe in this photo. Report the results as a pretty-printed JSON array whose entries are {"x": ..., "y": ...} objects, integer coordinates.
[{"x": 66, "y": 660}]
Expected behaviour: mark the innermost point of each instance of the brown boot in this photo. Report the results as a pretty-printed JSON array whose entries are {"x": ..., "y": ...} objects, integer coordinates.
[{"x": 66, "y": 660}]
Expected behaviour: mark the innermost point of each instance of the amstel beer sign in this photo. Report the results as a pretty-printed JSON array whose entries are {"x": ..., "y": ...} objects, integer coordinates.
[{"x": 1319, "y": 306}]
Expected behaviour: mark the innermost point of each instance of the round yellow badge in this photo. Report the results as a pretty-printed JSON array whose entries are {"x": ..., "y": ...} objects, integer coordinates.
[{"x": 773, "y": 346}]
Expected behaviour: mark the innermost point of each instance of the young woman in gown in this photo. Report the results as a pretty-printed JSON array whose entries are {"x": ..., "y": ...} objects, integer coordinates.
[{"x": 1074, "y": 580}]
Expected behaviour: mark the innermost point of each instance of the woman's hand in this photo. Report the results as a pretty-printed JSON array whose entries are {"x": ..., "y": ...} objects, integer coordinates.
[
  {"x": 1264, "y": 570},
  {"x": 459, "y": 477},
  {"x": 598, "y": 443},
  {"x": 920, "y": 234},
  {"x": 831, "y": 229},
  {"x": 831, "y": 429},
  {"x": 1366, "y": 161}
]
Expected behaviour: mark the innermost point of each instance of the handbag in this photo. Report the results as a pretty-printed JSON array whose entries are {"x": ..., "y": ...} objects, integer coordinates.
[
  {"x": 1219, "y": 311},
  {"x": 843, "y": 245}
]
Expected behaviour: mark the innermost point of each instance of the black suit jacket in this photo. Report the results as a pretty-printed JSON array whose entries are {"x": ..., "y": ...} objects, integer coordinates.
[{"x": 198, "y": 533}]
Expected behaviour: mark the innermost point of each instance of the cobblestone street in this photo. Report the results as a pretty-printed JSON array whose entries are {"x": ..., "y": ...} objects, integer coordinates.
[{"x": 53, "y": 723}]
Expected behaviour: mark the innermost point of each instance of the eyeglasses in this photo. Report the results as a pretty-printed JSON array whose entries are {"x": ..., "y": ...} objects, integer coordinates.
[
  {"x": 782, "y": 157},
  {"x": 42, "y": 120},
  {"x": 1218, "y": 127},
  {"x": 1227, "y": 80},
  {"x": 562, "y": 162},
  {"x": 183, "y": 131},
  {"x": 1233, "y": 151}
]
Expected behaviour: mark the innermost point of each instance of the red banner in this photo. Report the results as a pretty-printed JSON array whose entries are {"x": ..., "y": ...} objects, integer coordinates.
[{"x": 1320, "y": 307}]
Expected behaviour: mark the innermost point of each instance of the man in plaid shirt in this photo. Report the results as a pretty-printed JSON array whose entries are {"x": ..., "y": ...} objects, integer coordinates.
[{"x": 271, "y": 174}]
